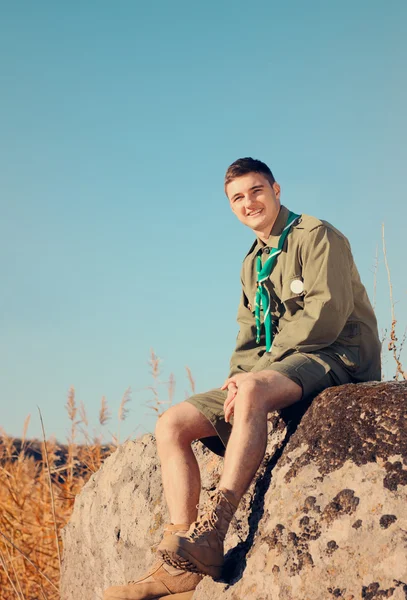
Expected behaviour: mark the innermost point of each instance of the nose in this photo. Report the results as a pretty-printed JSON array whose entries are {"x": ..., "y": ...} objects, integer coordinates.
[{"x": 248, "y": 200}]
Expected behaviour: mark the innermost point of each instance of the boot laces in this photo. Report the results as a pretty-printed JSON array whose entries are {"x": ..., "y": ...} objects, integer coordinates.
[{"x": 209, "y": 519}]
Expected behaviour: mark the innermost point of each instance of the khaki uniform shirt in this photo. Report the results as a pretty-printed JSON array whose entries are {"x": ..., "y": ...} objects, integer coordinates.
[{"x": 331, "y": 318}]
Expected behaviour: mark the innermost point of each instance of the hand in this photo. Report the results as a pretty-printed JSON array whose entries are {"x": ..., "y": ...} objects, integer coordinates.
[
  {"x": 229, "y": 404},
  {"x": 231, "y": 384}
]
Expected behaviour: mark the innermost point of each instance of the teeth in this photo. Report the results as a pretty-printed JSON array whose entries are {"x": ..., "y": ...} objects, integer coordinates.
[{"x": 255, "y": 213}]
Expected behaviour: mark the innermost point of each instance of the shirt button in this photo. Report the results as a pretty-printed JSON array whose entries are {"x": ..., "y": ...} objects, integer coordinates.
[{"x": 266, "y": 250}]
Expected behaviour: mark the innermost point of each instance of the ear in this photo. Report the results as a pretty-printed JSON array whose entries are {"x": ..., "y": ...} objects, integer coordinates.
[{"x": 277, "y": 190}]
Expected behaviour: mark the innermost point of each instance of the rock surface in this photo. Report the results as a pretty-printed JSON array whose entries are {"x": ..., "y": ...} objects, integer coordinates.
[{"x": 326, "y": 517}]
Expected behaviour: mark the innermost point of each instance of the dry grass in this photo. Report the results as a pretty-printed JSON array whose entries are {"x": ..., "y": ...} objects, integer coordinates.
[
  {"x": 38, "y": 485},
  {"x": 36, "y": 500},
  {"x": 393, "y": 346}
]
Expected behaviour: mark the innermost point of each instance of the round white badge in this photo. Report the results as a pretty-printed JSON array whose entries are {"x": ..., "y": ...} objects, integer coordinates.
[{"x": 297, "y": 286}]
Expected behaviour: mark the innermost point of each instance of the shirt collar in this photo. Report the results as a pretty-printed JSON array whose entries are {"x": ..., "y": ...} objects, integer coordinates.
[{"x": 276, "y": 230}]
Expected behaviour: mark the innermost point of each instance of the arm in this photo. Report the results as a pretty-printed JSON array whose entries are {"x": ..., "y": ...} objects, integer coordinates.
[{"x": 328, "y": 300}]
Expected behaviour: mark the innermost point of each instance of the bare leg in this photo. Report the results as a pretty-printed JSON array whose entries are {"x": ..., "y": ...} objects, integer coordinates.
[
  {"x": 255, "y": 398},
  {"x": 176, "y": 429}
]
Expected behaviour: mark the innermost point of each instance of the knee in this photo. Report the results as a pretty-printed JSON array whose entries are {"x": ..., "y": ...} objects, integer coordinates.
[
  {"x": 249, "y": 394},
  {"x": 267, "y": 391},
  {"x": 169, "y": 428},
  {"x": 250, "y": 386},
  {"x": 165, "y": 427}
]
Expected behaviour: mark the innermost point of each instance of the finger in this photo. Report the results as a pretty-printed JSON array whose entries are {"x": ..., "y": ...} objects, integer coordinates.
[
  {"x": 232, "y": 390},
  {"x": 230, "y": 410},
  {"x": 228, "y": 381},
  {"x": 229, "y": 399}
]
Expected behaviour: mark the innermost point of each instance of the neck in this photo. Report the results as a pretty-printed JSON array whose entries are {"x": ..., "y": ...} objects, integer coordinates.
[{"x": 264, "y": 234}]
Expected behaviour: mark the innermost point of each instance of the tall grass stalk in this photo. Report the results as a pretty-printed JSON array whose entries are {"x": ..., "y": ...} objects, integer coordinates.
[
  {"x": 24, "y": 555},
  {"x": 51, "y": 489},
  {"x": 4, "y": 565},
  {"x": 393, "y": 347}
]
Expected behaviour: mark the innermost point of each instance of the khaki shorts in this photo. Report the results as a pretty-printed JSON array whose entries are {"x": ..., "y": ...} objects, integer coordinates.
[{"x": 311, "y": 371}]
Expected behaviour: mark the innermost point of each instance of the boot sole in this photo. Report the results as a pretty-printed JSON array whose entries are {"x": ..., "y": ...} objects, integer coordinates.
[
  {"x": 181, "y": 562},
  {"x": 180, "y": 596}
]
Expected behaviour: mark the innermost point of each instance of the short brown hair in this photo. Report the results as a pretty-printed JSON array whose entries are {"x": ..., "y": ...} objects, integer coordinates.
[{"x": 243, "y": 166}]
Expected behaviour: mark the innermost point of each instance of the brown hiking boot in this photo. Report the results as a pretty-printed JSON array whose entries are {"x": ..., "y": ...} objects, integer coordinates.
[
  {"x": 161, "y": 582},
  {"x": 200, "y": 549}
]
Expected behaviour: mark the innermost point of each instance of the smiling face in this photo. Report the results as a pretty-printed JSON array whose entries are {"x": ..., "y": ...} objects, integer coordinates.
[{"x": 255, "y": 202}]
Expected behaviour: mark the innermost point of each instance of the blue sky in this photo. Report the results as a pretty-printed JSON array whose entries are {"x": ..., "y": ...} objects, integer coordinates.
[{"x": 118, "y": 121}]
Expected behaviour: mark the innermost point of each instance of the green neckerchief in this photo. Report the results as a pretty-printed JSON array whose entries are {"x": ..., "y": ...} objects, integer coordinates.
[{"x": 263, "y": 294}]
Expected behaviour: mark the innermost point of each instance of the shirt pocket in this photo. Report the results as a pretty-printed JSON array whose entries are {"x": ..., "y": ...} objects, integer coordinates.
[
  {"x": 292, "y": 295},
  {"x": 347, "y": 346}
]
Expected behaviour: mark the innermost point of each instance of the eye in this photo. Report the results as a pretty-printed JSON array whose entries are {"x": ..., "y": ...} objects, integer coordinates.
[{"x": 236, "y": 199}]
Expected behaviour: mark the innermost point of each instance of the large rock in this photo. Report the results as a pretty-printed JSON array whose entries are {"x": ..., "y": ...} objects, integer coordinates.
[{"x": 326, "y": 517}]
